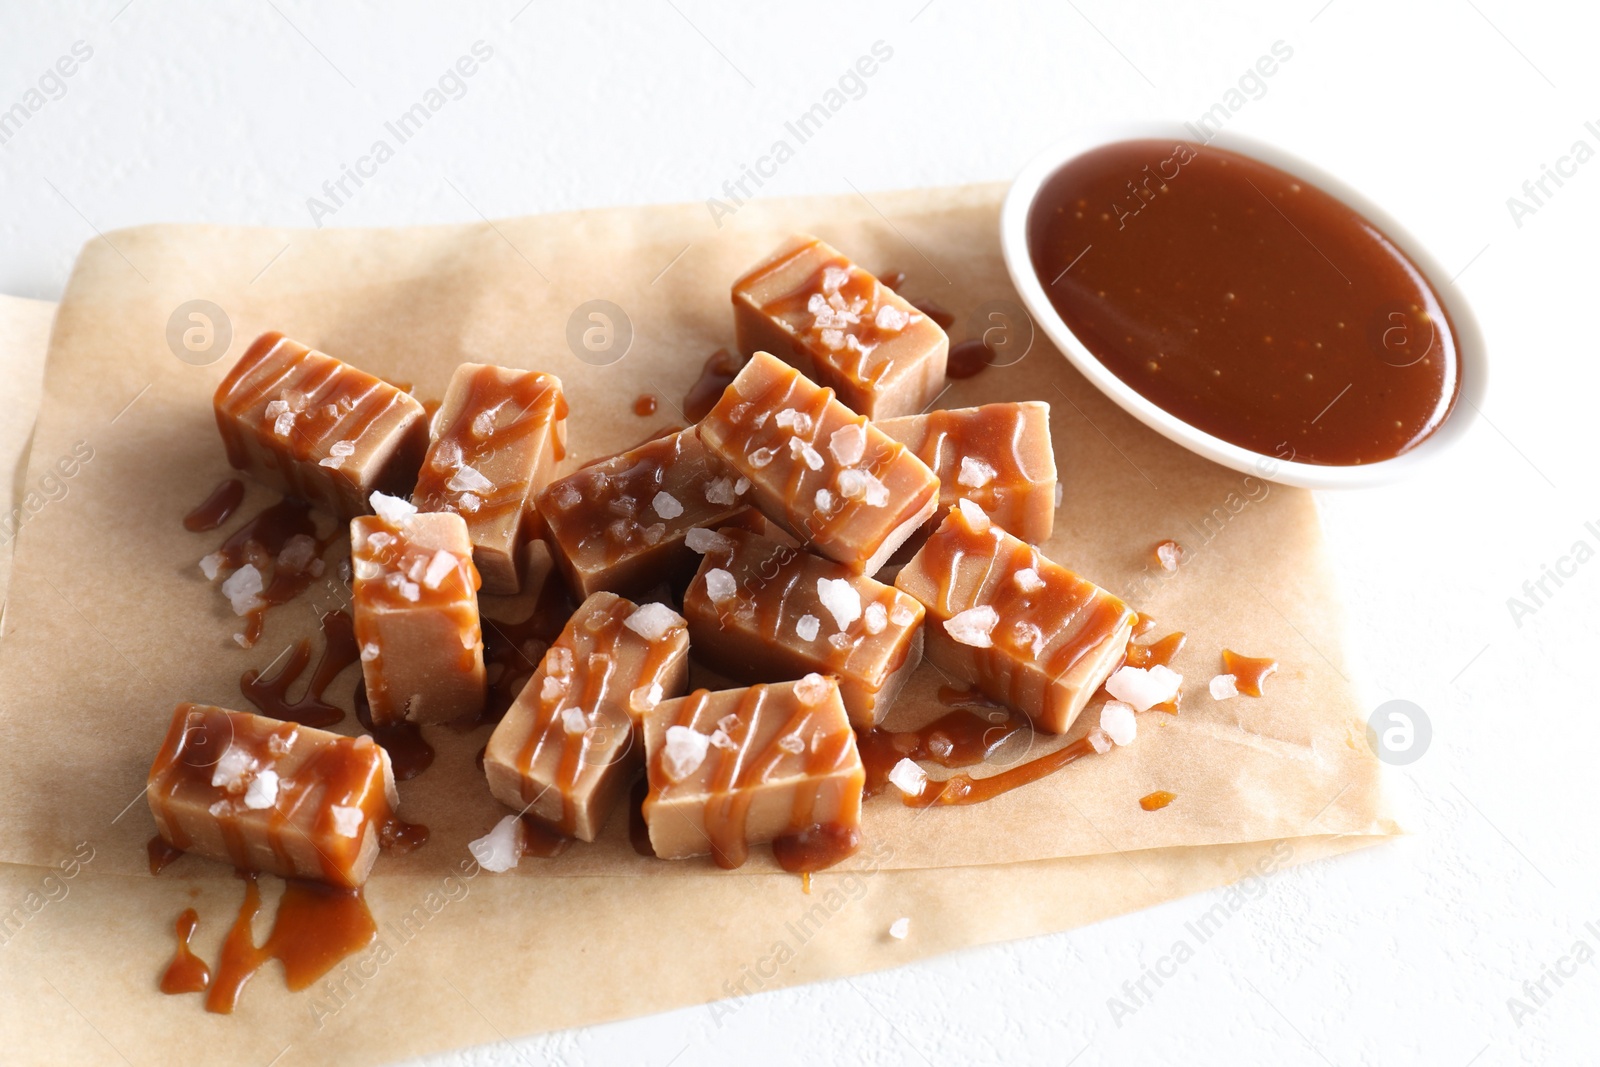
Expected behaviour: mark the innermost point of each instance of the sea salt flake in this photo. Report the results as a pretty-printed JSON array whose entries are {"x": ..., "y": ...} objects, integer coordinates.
[
  {"x": 903, "y": 614},
  {"x": 1119, "y": 722},
  {"x": 231, "y": 773},
  {"x": 573, "y": 720},
  {"x": 500, "y": 849},
  {"x": 369, "y": 652},
  {"x": 792, "y": 744},
  {"x": 975, "y": 516},
  {"x": 440, "y": 567},
  {"x": 211, "y": 565},
  {"x": 347, "y": 820},
  {"x": 1169, "y": 554},
  {"x": 566, "y": 496},
  {"x": 263, "y": 791},
  {"x": 666, "y": 505},
  {"x": 1224, "y": 686},
  {"x": 297, "y": 553},
  {"x": 653, "y": 621},
  {"x": 469, "y": 480},
  {"x": 875, "y": 619},
  {"x": 790, "y": 419},
  {"x": 823, "y": 500},
  {"x": 909, "y": 778},
  {"x": 683, "y": 752},
  {"x": 243, "y": 588},
  {"x": 653, "y": 533},
  {"x": 276, "y": 408},
  {"x": 553, "y": 688},
  {"x": 973, "y": 626},
  {"x": 392, "y": 509},
  {"x": 841, "y": 599},
  {"x": 848, "y": 444},
  {"x": 891, "y": 319},
  {"x": 645, "y": 698},
  {"x": 720, "y": 585},
  {"x": 1144, "y": 688},
  {"x": 283, "y": 424},
  {"x": 702, "y": 540},
  {"x": 446, "y": 456},
  {"x": 741, "y": 487},
  {"x": 720, "y": 739},
  {"x": 720, "y": 491},
  {"x": 760, "y": 457},
  {"x": 1028, "y": 580},
  {"x": 807, "y": 627},
  {"x": 900, "y": 928},
  {"x": 812, "y": 689},
  {"x": 469, "y": 503},
  {"x": 975, "y": 473},
  {"x": 1099, "y": 741}
]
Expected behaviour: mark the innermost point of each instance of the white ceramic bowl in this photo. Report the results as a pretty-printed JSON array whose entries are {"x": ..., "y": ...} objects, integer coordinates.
[{"x": 1469, "y": 340}]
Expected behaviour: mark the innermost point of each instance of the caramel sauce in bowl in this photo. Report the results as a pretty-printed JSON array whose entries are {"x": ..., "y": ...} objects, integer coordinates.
[{"x": 1134, "y": 277}]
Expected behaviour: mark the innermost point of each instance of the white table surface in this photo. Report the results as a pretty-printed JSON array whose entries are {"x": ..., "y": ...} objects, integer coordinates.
[{"x": 1408, "y": 952}]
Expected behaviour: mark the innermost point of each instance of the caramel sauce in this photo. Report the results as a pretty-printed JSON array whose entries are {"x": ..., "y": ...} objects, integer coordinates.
[
  {"x": 512, "y": 651},
  {"x": 400, "y": 837},
  {"x": 1156, "y": 652},
  {"x": 964, "y": 789},
  {"x": 409, "y": 753},
  {"x": 644, "y": 405},
  {"x": 1248, "y": 674},
  {"x": 720, "y": 369},
  {"x": 1246, "y": 302},
  {"x": 514, "y": 410},
  {"x": 1157, "y": 800},
  {"x": 968, "y": 357},
  {"x": 963, "y": 737},
  {"x": 271, "y": 694},
  {"x": 815, "y": 848},
  {"x": 217, "y": 508},
  {"x": 542, "y": 841},
  {"x": 893, "y": 279},
  {"x": 638, "y": 829},
  {"x": 940, "y": 317},
  {"x": 187, "y": 973},
  {"x": 1142, "y": 624},
  {"x": 160, "y": 853},
  {"x": 316, "y": 926},
  {"x": 260, "y": 541}
]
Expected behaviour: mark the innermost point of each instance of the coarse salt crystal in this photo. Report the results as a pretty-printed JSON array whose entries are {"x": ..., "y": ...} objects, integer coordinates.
[
  {"x": 1224, "y": 686},
  {"x": 231, "y": 772},
  {"x": 1119, "y": 722},
  {"x": 410, "y": 590},
  {"x": 975, "y": 516},
  {"x": 347, "y": 820},
  {"x": 645, "y": 697},
  {"x": 499, "y": 850},
  {"x": 848, "y": 444},
  {"x": 211, "y": 565},
  {"x": 279, "y": 744},
  {"x": 812, "y": 689},
  {"x": 1099, "y": 741},
  {"x": 875, "y": 619},
  {"x": 975, "y": 473},
  {"x": 297, "y": 553},
  {"x": 833, "y": 278},
  {"x": 790, "y": 419},
  {"x": 666, "y": 505},
  {"x": 720, "y": 585},
  {"x": 792, "y": 744},
  {"x": 909, "y": 778},
  {"x": 365, "y": 569},
  {"x": 553, "y": 688},
  {"x": 263, "y": 791},
  {"x": 483, "y": 422},
  {"x": 1169, "y": 554},
  {"x": 331, "y": 462},
  {"x": 559, "y": 661},
  {"x": 803, "y": 450},
  {"x": 973, "y": 626},
  {"x": 807, "y": 627},
  {"x": 439, "y": 568},
  {"x": 876, "y": 494},
  {"x": 903, "y": 614},
  {"x": 242, "y": 589},
  {"x": 369, "y": 652},
  {"x": 1142, "y": 688},
  {"x": 760, "y": 458},
  {"x": 684, "y": 751},
  {"x": 891, "y": 319},
  {"x": 469, "y": 503},
  {"x": 720, "y": 739},
  {"x": 566, "y": 496},
  {"x": 653, "y": 621},
  {"x": 741, "y": 487},
  {"x": 702, "y": 540},
  {"x": 900, "y": 928},
  {"x": 1059, "y": 493},
  {"x": 653, "y": 533},
  {"x": 841, "y": 599},
  {"x": 720, "y": 491},
  {"x": 573, "y": 720},
  {"x": 468, "y": 480},
  {"x": 1028, "y": 580},
  {"x": 1029, "y": 636},
  {"x": 842, "y": 641},
  {"x": 823, "y": 500},
  {"x": 283, "y": 424},
  {"x": 446, "y": 456},
  {"x": 392, "y": 509},
  {"x": 276, "y": 408},
  {"x": 342, "y": 448}
]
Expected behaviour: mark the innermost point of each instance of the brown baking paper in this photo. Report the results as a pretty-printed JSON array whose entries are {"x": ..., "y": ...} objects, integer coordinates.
[
  {"x": 24, "y": 331},
  {"x": 112, "y": 624}
]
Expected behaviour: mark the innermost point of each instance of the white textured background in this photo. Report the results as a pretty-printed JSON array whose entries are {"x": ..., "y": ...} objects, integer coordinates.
[{"x": 1405, "y": 953}]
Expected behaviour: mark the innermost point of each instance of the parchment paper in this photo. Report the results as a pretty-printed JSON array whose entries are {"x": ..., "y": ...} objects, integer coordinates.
[
  {"x": 111, "y": 622},
  {"x": 24, "y": 331}
]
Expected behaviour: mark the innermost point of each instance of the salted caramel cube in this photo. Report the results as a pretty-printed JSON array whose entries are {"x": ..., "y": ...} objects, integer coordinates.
[
  {"x": 271, "y": 796},
  {"x": 1020, "y": 628},
  {"x": 311, "y": 426},
  {"x": 494, "y": 444},
  {"x": 741, "y": 767},
  {"x": 761, "y": 611},
  {"x": 618, "y": 525},
  {"x": 568, "y": 746},
  {"x": 818, "y": 469},
  {"x": 414, "y": 595},
  {"x": 998, "y": 456},
  {"x": 812, "y": 307}
]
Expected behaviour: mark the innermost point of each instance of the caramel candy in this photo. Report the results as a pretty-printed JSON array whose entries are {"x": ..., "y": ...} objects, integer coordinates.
[
  {"x": 740, "y": 767},
  {"x": 818, "y": 469},
  {"x": 1024, "y": 630},
  {"x": 618, "y": 525},
  {"x": 998, "y": 456},
  {"x": 414, "y": 594},
  {"x": 812, "y": 307},
  {"x": 761, "y": 611},
  {"x": 271, "y": 796},
  {"x": 567, "y": 748},
  {"x": 313, "y": 427},
  {"x": 496, "y": 439}
]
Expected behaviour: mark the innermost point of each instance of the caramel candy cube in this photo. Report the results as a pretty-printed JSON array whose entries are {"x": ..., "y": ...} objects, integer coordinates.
[
  {"x": 740, "y": 767},
  {"x": 568, "y": 747},
  {"x": 618, "y": 525},
  {"x": 1001, "y": 617},
  {"x": 414, "y": 594},
  {"x": 812, "y": 307},
  {"x": 271, "y": 796},
  {"x": 998, "y": 456},
  {"x": 311, "y": 426},
  {"x": 761, "y": 611},
  {"x": 495, "y": 442},
  {"x": 816, "y": 468}
]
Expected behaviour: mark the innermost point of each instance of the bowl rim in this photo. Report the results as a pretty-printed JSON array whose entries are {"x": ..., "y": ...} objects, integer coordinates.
[{"x": 1471, "y": 352}]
